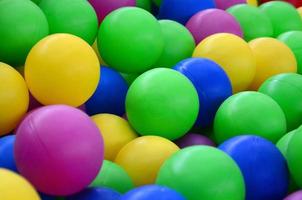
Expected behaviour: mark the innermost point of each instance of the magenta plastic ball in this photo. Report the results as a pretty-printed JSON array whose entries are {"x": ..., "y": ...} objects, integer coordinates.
[
  {"x": 295, "y": 196},
  {"x": 192, "y": 139},
  {"x": 211, "y": 21},
  {"x": 104, "y": 7},
  {"x": 225, "y": 4},
  {"x": 58, "y": 149}
]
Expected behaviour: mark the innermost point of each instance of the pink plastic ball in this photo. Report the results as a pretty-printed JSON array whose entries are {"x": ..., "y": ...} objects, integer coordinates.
[
  {"x": 225, "y": 4},
  {"x": 295, "y": 196},
  {"x": 58, "y": 149}
]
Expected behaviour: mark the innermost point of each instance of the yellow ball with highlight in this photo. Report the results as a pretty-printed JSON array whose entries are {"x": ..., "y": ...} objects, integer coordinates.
[{"x": 252, "y": 2}]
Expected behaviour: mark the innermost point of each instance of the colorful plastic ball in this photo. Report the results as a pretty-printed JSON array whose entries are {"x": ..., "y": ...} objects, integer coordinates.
[
  {"x": 199, "y": 172},
  {"x": 225, "y": 4},
  {"x": 59, "y": 75},
  {"x": 162, "y": 102},
  {"x": 58, "y": 149},
  {"x": 282, "y": 144},
  {"x": 211, "y": 21},
  {"x": 75, "y": 17},
  {"x": 284, "y": 17},
  {"x": 240, "y": 114},
  {"x": 252, "y": 2},
  {"x": 272, "y": 57},
  {"x": 261, "y": 164},
  {"x": 211, "y": 83},
  {"x": 22, "y": 24},
  {"x": 47, "y": 197},
  {"x": 192, "y": 139},
  {"x": 113, "y": 176},
  {"x": 293, "y": 40},
  {"x": 96, "y": 193},
  {"x": 175, "y": 35},
  {"x": 129, "y": 78},
  {"x": 110, "y": 94},
  {"x": 142, "y": 158},
  {"x": 247, "y": 15},
  {"x": 116, "y": 132},
  {"x": 285, "y": 90},
  {"x": 36, "y": 1},
  {"x": 96, "y": 50},
  {"x": 226, "y": 49},
  {"x": 151, "y": 192},
  {"x": 7, "y": 158},
  {"x": 138, "y": 40},
  {"x": 14, "y": 186},
  {"x": 295, "y": 196},
  {"x": 14, "y": 98},
  {"x": 174, "y": 9}
]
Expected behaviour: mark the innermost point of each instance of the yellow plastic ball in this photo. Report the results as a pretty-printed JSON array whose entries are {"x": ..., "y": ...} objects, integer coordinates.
[
  {"x": 62, "y": 69},
  {"x": 300, "y": 11},
  {"x": 15, "y": 187},
  {"x": 143, "y": 157},
  {"x": 272, "y": 57},
  {"x": 252, "y": 2},
  {"x": 14, "y": 98},
  {"x": 233, "y": 54},
  {"x": 116, "y": 133},
  {"x": 96, "y": 50}
]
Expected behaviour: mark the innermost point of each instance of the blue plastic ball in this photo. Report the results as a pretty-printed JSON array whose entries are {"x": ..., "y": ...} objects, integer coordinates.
[
  {"x": 110, "y": 94},
  {"x": 7, "y": 159},
  {"x": 46, "y": 197},
  {"x": 152, "y": 192},
  {"x": 182, "y": 10},
  {"x": 212, "y": 85},
  {"x": 263, "y": 166},
  {"x": 95, "y": 194}
]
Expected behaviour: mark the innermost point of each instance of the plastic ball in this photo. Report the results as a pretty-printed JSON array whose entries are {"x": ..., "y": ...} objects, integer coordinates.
[
  {"x": 144, "y": 4},
  {"x": 282, "y": 144},
  {"x": 226, "y": 49},
  {"x": 59, "y": 75},
  {"x": 240, "y": 114},
  {"x": 261, "y": 164},
  {"x": 162, "y": 102},
  {"x": 138, "y": 40},
  {"x": 113, "y": 176},
  {"x": 295, "y": 196},
  {"x": 14, "y": 98},
  {"x": 129, "y": 78},
  {"x": 293, "y": 40},
  {"x": 47, "y": 197},
  {"x": 284, "y": 17},
  {"x": 76, "y": 17},
  {"x": 285, "y": 90},
  {"x": 14, "y": 187},
  {"x": 212, "y": 84},
  {"x": 151, "y": 192},
  {"x": 192, "y": 139},
  {"x": 175, "y": 35},
  {"x": 116, "y": 132},
  {"x": 96, "y": 193},
  {"x": 211, "y": 21},
  {"x": 7, "y": 158},
  {"x": 22, "y": 24},
  {"x": 142, "y": 158},
  {"x": 110, "y": 94},
  {"x": 272, "y": 57},
  {"x": 36, "y": 1},
  {"x": 58, "y": 149},
  {"x": 247, "y": 15},
  {"x": 174, "y": 9},
  {"x": 199, "y": 172},
  {"x": 225, "y": 4},
  {"x": 252, "y": 2}
]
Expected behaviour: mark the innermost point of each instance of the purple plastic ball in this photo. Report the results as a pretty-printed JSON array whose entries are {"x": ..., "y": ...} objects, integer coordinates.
[
  {"x": 225, "y": 4},
  {"x": 192, "y": 139},
  {"x": 295, "y": 196}
]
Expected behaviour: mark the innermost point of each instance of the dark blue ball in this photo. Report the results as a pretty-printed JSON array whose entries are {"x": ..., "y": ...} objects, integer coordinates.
[
  {"x": 182, "y": 10},
  {"x": 110, "y": 94},
  {"x": 212, "y": 84},
  {"x": 46, "y": 197},
  {"x": 7, "y": 159},
  {"x": 263, "y": 166},
  {"x": 96, "y": 194},
  {"x": 152, "y": 192}
]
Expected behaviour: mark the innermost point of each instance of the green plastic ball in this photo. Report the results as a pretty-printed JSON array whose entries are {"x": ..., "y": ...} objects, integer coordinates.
[
  {"x": 144, "y": 4},
  {"x": 75, "y": 17},
  {"x": 36, "y": 1},
  {"x": 113, "y": 176},
  {"x": 179, "y": 43},
  {"x": 293, "y": 39},
  {"x": 249, "y": 113},
  {"x": 286, "y": 90},
  {"x": 253, "y": 22},
  {"x": 22, "y": 25},
  {"x": 203, "y": 173},
  {"x": 130, "y": 40},
  {"x": 129, "y": 78},
  {"x": 284, "y": 16},
  {"x": 157, "y": 2},
  {"x": 162, "y": 102}
]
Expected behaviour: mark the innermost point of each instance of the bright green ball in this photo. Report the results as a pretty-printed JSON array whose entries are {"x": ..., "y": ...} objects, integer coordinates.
[
  {"x": 253, "y": 22},
  {"x": 162, "y": 102},
  {"x": 22, "y": 25},
  {"x": 249, "y": 113},
  {"x": 75, "y": 17},
  {"x": 203, "y": 173},
  {"x": 286, "y": 90},
  {"x": 130, "y": 40},
  {"x": 113, "y": 176}
]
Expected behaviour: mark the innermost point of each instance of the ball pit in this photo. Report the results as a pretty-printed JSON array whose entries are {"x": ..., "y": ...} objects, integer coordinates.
[
  {"x": 192, "y": 139},
  {"x": 96, "y": 193},
  {"x": 7, "y": 158}
]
